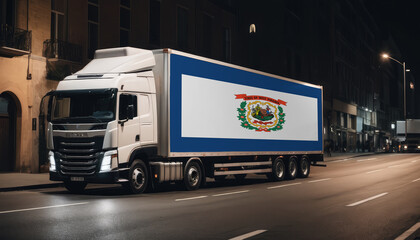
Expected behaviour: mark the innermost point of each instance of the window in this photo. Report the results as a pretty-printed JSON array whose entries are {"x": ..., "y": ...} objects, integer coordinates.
[
  {"x": 7, "y": 13},
  {"x": 154, "y": 21},
  {"x": 182, "y": 28},
  {"x": 125, "y": 22},
  {"x": 226, "y": 44},
  {"x": 93, "y": 27},
  {"x": 83, "y": 106},
  {"x": 126, "y": 102},
  {"x": 58, "y": 20}
]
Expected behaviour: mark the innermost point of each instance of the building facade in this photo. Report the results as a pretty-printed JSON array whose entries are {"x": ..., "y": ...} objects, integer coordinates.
[
  {"x": 336, "y": 44},
  {"x": 42, "y": 41}
]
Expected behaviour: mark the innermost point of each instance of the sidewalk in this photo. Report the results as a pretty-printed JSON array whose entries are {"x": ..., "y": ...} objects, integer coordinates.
[
  {"x": 338, "y": 156},
  {"x": 25, "y": 181}
]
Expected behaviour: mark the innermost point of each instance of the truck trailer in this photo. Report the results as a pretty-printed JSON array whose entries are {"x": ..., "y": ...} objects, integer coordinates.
[{"x": 143, "y": 117}]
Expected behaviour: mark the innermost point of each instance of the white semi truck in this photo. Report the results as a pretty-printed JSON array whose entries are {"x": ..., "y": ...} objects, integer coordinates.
[
  {"x": 141, "y": 117},
  {"x": 412, "y": 142}
]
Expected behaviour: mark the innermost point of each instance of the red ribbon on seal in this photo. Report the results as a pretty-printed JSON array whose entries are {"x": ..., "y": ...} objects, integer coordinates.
[
  {"x": 256, "y": 97},
  {"x": 261, "y": 122},
  {"x": 262, "y": 130}
]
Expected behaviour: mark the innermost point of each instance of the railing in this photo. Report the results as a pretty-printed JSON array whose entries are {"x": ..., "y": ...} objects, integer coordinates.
[
  {"x": 15, "y": 38},
  {"x": 54, "y": 48}
]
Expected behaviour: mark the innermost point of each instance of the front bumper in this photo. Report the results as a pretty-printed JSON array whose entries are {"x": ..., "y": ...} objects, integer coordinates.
[{"x": 104, "y": 177}]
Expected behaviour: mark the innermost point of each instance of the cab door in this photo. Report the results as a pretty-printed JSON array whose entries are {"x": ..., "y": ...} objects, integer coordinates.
[
  {"x": 146, "y": 120},
  {"x": 128, "y": 125}
]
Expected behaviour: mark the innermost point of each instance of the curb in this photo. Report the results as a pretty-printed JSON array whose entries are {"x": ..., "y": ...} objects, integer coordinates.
[
  {"x": 354, "y": 156},
  {"x": 31, "y": 187}
]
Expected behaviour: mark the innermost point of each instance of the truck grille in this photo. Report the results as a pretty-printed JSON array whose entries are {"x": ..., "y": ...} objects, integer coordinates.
[{"x": 78, "y": 156}]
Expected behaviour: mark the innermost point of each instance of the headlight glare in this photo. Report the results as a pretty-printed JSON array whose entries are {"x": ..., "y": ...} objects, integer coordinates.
[
  {"x": 52, "y": 161},
  {"x": 110, "y": 161}
]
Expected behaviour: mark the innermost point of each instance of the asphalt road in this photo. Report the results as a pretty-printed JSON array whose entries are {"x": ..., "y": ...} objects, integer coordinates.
[{"x": 374, "y": 197}]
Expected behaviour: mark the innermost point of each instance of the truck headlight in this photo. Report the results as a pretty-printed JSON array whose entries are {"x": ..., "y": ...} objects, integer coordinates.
[
  {"x": 110, "y": 161},
  {"x": 52, "y": 161},
  {"x": 405, "y": 147},
  {"x": 418, "y": 147}
]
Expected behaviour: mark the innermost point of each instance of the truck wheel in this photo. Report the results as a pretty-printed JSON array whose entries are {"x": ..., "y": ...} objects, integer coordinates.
[
  {"x": 75, "y": 187},
  {"x": 278, "y": 170},
  {"x": 138, "y": 177},
  {"x": 291, "y": 168},
  {"x": 304, "y": 167},
  {"x": 192, "y": 176}
]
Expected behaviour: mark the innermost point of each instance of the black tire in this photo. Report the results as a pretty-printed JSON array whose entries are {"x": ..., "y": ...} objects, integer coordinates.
[
  {"x": 138, "y": 178},
  {"x": 291, "y": 168},
  {"x": 192, "y": 176},
  {"x": 75, "y": 187},
  {"x": 278, "y": 170},
  {"x": 304, "y": 167}
]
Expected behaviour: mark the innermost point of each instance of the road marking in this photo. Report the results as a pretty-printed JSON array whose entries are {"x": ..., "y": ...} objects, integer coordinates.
[
  {"x": 230, "y": 193},
  {"x": 191, "y": 198},
  {"x": 248, "y": 235},
  {"x": 46, "y": 207},
  {"x": 418, "y": 179},
  {"x": 342, "y": 160},
  {"x": 367, "y": 200},
  {"x": 285, "y": 185},
  {"x": 398, "y": 165},
  {"x": 410, "y": 231},
  {"x": 320, "y": 180},
  {"x": 374, "y": 171},
  {"x": 367, "y": 159}
]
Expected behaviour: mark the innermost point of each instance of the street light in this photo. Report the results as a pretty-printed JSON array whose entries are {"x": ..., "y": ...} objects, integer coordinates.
[{"x": 386, "y": 56}]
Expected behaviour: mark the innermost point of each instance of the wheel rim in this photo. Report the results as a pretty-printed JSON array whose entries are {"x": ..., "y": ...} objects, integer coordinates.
[
  {"x": 304, "y": 166},
  {"x": 138, "y": 178},
  {"x": 193, "y": 176},
  {"x": 292, "y": 168},
  {"x": 279, "y": 169}
]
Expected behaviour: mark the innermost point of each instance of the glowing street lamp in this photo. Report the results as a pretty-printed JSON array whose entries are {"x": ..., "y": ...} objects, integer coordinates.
[{"x": 386, "y": 56}]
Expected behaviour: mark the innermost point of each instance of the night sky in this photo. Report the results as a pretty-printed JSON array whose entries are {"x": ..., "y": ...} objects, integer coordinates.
[{"x": 401, "y": 19}]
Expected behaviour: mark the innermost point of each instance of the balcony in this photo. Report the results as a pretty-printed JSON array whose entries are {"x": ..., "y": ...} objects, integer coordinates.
[
  {"x": 62, "y": 50},
  {"x": 14, "y": 41},
  {"x": 63, "y": 58}
]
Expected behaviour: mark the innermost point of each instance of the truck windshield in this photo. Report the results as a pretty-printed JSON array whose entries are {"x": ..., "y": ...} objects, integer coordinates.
[{"x": 83, "y": 106}]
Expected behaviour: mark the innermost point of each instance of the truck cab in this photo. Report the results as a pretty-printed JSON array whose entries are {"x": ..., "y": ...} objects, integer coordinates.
[{"x": 99, "y": 116}]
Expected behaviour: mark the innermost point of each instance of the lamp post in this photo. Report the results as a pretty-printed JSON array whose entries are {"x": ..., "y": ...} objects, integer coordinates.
[{"x": 386, "y": 56}]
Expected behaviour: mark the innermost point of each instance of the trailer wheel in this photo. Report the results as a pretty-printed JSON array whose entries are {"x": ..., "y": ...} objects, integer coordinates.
[
  {"x": 138, "y": 177},
  {"x": 278, "y": 170},
  {"x": 75, "y": 187},
  {"x": 192, "y": 176},
  {"x": 291, "y": 168},
  {"x": 304, "y": 167}
]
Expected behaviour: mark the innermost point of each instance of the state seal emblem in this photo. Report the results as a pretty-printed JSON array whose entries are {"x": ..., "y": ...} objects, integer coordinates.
[{"x": 259, "y": 113}]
